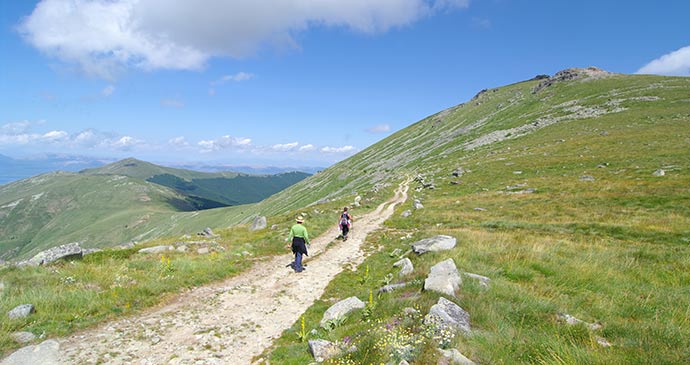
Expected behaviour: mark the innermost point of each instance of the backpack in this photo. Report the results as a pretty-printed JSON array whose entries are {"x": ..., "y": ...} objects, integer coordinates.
[{"x": 344, "y": 219}]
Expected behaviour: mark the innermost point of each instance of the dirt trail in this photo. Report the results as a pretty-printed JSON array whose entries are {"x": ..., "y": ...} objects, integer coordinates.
[{"x": 232, "y": 321}]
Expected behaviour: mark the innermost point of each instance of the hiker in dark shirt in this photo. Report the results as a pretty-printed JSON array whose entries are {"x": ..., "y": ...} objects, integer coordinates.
[
  {"x": 345, "y": 222},
  {"x": 300, "y": 239}
]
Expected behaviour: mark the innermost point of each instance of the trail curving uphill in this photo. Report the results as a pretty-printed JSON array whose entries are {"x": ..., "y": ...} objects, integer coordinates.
[{"x": 232, "y": 321}]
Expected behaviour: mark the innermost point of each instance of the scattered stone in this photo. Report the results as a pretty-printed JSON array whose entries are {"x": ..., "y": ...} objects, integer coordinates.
[
  {"x": 410, "y": 311},
  {"x": 459, "y": 172},
  {"x": 448, "y": 315},
  {"x": 395, "y": 253},
  {"x": 202, "y": 251},
  {"x": 567, "y": 318},
  {"x": 391, "y": 287},
  {"x": 659, "y": 172},
  {"x": 453, "y": 357},
  {"x": 483, "y": 280},
  {"x": 603, "y": 342},
  {"x": 21, "y": 311},
  {"x": 417, "y": 204},
  {"x": 323, "y": 350},
  {"x": 478, "y": 209},
  {"x": 517, "y": 172},
  {"x": 68, "y": 251},
  {"x": 23, "y": 337},
  {"x": 406, "y": 214},
  {"x": 156, "y": 249},
  {"x": 207, "y": 232},
  {"x": 443, "y": 278},
  {"x": 407, "y": 267},
  {"x": 341, "y": 309},
  {"x": 182, "y": 248},
  {"x": 259, "y": 223},
  {"x": 587, "y": 178},
  {"x": 45, "y": 353},
  {"x": 434, "y": 244},
  {"x": 453, "y": 182},
  {"x": 274, "y": 227}
]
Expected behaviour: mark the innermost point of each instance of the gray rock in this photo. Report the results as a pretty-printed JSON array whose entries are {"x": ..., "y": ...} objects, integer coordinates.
[
  {"x": 443, "y": 278},
  {"x": 459, "y": 172},
  {"x": 406, "y": 214},
  {"x": 207, "y": 232},
  {"x": 323, "y": 350},
  {"x": 23, "y": 337},
  {"x": 659, "y": 172},
  {"x": 417, "y": 204},
  {"x": 454, "y": 357},
  {"x": 407, "y": 267},
  {"x": 274, "y": 227},
  {"x": 448, "y": 315},
  {"x": 70, "y": 250},
  {"x": 391, "y": 287},
  {"x": 202, "y": 251},
  {"x": 587, "y": 178},
  {"x": 45, "y": 353},
  {"x": 259, "y": 223},
  {"x": 567, "y": 318},
  {"x": 341, "y": 309},
  {"x": 483, "y": 280},
  {"x": 21, "y": 311},
  {"x": 156, "y": 249},
  {"x": 434, "y": 244}
]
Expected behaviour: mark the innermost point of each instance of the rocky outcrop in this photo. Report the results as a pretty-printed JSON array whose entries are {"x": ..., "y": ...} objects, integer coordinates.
[
  {"x": 572, "y": 74},
  {"x": 68, "y": 251}
]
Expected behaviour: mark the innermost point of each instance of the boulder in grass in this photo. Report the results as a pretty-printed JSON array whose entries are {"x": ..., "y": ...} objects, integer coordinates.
[
  {"x": 434, "y": 244},
  {"x": 259, "y": 223},
  {"x": 70, "y": 250},
  {"x": 448, "y": 315},
  {"x": 444, "y": 278},
  {"x": 323, "y": 350},
  {"x": 21, "y": 311},
  {"x": 341, "y": 309}
]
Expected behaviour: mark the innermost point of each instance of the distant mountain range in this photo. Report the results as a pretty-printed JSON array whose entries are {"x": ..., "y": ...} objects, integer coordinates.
[
  {"x": 14, "y": 169},
  {"x": 118, "y": 202}
]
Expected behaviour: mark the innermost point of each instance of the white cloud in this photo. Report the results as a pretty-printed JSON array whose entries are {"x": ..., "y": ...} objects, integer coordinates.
[
  {"x": 108, "y": 90},
  {"x": 676, "y": 63},
  {"x": 240, "y": 76},
  {"x": 104, "y": 37},
  {"x": 224, "y": 143},
  {"x": 307, "y": 148},
  {"x": 337, "y": 149},
  {"x": 179, "y": 142},
  {"x": 15, "y": 127},
  {"x": 381, "y": 128},
  {"x": 54, "y": 136},
  {"x": 285, "y": 147}
]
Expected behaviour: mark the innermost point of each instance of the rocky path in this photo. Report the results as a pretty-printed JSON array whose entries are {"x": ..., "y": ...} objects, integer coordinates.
[{"x": 229, "y": 322}]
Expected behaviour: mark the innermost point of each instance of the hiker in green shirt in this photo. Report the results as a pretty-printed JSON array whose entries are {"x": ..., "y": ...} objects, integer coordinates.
[{"x": 300, "y": 239}]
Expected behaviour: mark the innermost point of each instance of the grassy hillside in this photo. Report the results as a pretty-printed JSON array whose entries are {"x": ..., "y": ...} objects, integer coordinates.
[
  {"x": 558, "y": 200},
  {"x": 206, "y": 190},
  {"x": 571, "y": 194}
]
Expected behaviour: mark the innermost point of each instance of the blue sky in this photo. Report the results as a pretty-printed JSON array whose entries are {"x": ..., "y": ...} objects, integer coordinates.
[{"x": 291, "y": 82}]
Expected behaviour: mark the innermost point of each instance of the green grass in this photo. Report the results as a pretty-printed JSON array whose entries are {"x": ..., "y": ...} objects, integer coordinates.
[{"x": 613, "y": 251}]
